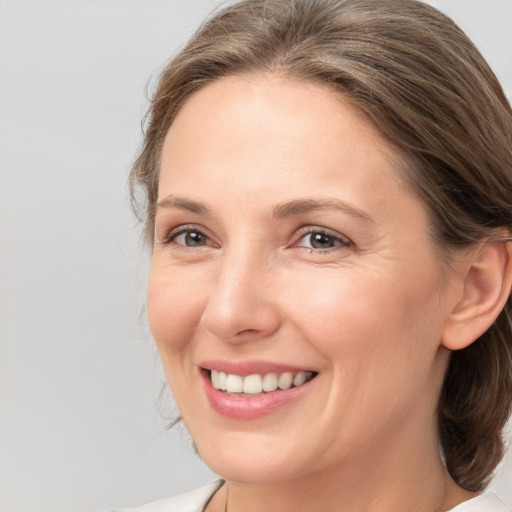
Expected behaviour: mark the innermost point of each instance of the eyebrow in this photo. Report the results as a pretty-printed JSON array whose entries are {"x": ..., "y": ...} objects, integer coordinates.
[
  {"x": 289, "y": 209},
  {"x": 301, "y": 206},
  {"x": 183, "y": 204}
]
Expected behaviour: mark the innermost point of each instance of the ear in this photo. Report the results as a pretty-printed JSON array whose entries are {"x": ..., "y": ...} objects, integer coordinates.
[{"x": 486, "y": 288}]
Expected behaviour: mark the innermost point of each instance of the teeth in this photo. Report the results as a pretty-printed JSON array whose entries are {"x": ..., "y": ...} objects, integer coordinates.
[
  {"x": 299, "y": 379},
  {"x": 234, "y": 384},
  {"x": 215, "y": 379},
  {"x": 270, "y": 382},
  {"x": 285, "y": 380},
  {"x": 223, "y": 384},
  {"x": 255, "y": 384}
]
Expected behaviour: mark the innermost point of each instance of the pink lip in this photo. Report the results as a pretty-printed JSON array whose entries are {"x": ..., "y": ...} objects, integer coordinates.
[
  {"x": 250, "y": 407},
  {"x": 244, "y": 368}
]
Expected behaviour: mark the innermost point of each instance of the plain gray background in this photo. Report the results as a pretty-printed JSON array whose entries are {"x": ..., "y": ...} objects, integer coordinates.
[{"x": 80, "y": 425}]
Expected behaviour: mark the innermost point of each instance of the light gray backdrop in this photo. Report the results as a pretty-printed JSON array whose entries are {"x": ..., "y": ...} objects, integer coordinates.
[{"x": 80, "y": 428}]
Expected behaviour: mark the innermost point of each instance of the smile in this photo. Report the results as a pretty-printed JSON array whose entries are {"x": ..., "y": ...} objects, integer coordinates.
[
  {"x": 256, "y": 384},
  {"x": 262, "y": 389}
]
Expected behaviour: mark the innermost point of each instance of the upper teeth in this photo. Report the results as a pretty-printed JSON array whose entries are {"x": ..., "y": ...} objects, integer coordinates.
[{"x": 254, "y": 384}]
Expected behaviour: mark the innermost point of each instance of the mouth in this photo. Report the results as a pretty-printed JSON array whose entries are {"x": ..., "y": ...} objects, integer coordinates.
[
  {"x": 257, "y": 384},
  {"x": 252, "y": 389}
]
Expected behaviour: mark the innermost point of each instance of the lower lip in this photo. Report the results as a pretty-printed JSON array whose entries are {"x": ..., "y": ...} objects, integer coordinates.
[{"x": 251, "y": 407}]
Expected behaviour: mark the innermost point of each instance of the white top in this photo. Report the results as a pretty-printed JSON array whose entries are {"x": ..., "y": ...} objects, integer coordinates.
[{"x": 196, "y": 501}]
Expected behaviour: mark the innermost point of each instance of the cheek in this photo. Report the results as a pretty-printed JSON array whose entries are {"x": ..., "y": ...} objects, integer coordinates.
[
  {"x": 365, "y": 319},
  {"x": 174, "y": 309},
  {"x": 380, "y": 349}
]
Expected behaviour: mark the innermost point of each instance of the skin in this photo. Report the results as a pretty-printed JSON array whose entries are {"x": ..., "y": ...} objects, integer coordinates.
[{"x": 368, "y": 314}]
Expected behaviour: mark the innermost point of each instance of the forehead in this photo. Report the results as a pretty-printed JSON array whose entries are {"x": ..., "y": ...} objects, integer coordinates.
[
  {"x": 250, "y": 124},
  {"x": 271, "y": 101}
]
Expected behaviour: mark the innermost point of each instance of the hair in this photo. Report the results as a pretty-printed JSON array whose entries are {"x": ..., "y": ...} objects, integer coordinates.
[{"x": 430, "y": 93}]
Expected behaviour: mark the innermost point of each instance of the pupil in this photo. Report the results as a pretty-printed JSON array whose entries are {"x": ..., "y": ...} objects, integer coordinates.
[
  {"x": 321, "y": 241},
  {"x": 194, "y": 238}
]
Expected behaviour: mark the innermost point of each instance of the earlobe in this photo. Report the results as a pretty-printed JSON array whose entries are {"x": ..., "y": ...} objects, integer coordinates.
[{"x": 486, "y": 288}]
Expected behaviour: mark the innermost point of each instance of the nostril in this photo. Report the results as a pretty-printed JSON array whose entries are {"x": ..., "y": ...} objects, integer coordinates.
[{"x": 247, "y": 332}]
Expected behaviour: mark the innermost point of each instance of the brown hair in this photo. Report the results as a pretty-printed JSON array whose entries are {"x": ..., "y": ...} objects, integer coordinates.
[{"x": 428, "y": 90}]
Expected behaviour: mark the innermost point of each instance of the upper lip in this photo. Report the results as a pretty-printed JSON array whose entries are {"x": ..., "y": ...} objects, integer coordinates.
[{"x": 250, "y": 367}]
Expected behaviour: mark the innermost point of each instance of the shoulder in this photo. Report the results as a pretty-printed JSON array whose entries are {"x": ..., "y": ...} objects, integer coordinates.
[
  {"x": 486, "y": 502},
  {"x": 193, "y": 501}
]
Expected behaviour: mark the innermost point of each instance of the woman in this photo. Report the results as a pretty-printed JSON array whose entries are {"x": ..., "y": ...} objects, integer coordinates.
[{"x": 328, "y": 201}]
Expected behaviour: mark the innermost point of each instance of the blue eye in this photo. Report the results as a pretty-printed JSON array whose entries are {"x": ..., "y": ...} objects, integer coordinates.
[{"x": 320, "y": 240}]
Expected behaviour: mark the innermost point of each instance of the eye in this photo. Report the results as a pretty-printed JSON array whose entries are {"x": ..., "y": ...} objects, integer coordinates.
[
  {"x": 191, "y": 238},
  {"x": 320, "y": 240},
  {"x": 188, "y": 237}
]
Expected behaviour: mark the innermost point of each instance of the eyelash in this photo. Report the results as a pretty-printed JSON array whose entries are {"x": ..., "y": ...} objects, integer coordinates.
[
  {"x": 171, "y": 237},
  {"x": 339, "y": 241}
]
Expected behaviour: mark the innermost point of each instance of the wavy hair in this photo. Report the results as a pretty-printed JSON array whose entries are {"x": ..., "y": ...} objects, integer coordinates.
[{"x": 432, "y": 95}]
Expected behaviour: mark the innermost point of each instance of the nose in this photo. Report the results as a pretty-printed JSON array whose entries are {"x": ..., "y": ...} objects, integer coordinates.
[{"x": 241, "y": 305}]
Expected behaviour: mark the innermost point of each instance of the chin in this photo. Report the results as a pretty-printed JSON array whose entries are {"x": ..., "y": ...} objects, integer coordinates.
[
  {"x": 238, "y": 458},
  {"x": 241, "y": 471}
]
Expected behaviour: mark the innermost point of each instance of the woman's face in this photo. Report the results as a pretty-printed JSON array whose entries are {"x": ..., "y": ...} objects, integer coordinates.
[{"x": 287, "y": 244}]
